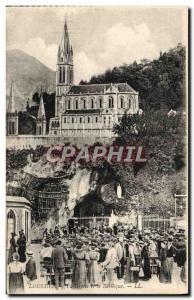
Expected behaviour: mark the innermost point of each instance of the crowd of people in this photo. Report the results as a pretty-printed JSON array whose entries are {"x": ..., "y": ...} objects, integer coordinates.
[
  {"x": 98, "y": 255},
  {"x": 20, "y": 264}
]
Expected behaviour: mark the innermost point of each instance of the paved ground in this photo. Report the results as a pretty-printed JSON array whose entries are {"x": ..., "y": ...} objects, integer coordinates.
[{"x": 39, "y": 286}]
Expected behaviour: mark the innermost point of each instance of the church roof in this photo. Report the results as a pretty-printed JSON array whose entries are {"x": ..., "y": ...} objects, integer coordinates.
[{"x": 100, "y": 88}]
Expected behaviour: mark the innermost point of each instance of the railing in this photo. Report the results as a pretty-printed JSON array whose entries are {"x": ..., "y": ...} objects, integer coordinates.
[
  {"x": 90, "y": 220},
  {"x": 156, "y": 223}
]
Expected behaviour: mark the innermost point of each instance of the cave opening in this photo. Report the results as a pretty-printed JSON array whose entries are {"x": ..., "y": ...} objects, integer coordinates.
[
  {"x": 92, "y": 211},
  {"x": 92, "y": 205}
]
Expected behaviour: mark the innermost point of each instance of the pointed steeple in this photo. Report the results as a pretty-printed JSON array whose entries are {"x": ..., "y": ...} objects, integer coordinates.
[
  {"x": 64, "y": 72},
  {"x": 65, "y": 25},
  {"x": 65, "y": 48},
  {"x": 41, "y": 110},
  {"x": 11, "y": 104},
  {"x": 71, "y": 50}
]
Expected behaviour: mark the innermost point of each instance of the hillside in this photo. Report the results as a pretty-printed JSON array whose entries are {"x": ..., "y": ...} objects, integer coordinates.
[
  {"x": 160, "y": 82},
  {"x": 28, "y": 75}
]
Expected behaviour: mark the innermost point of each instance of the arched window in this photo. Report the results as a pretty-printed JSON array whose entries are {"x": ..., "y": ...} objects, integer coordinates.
[
  {"x": 100, "y": 102},
  {"x": 110, "y": 102},
  {"x": 76, "y": 104},
  {"x": 11, "y": 223},
  {"x": 72, "y": 119},
  {"x": 84, "y": 103},
  {"x": 63, "y": 74},
  {"x": 71, "y": 75},
  {"x": 60, "y": 74},
  {"x": 68, "y": 104},
  {"x": 88, "y": 119},
  {"x": 121, "y": 102},
  {"x": 92, "y": 103},
  {"x": 130, "y": 103},
  {"x": 9, "y": 127},
  {"x": 80, "y": 119},
  {"x": 13, "y": 128}
]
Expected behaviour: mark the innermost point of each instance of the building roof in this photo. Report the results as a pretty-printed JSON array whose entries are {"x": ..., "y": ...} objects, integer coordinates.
[
  {"x": 100, "y": 88},
  {"x": 17, "y": 199}
]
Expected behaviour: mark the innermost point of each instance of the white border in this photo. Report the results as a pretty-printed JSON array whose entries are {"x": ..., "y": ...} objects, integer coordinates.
[{"x": 3, "y": 3}]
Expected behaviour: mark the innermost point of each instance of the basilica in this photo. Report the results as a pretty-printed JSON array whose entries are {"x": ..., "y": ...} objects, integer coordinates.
[{"x": 90, "y": 109}]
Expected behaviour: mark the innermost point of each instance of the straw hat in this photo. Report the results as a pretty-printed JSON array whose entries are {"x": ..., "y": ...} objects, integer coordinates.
[{"x": 30, "y": 253}]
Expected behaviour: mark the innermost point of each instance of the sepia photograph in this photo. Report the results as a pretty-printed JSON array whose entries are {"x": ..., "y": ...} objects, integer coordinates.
[{"x": 97, "y": 193}]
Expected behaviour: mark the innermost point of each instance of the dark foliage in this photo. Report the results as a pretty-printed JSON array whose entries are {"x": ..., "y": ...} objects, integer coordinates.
[
  {"x": 160, "y": 83},
  {"x": 27, "y": 119}
]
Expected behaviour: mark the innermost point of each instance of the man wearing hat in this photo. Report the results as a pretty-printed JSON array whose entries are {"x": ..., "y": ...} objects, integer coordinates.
[
  {"x": 31, "y": 267},
  {"x": 59, "y": 258},
  {"x": 111, "y": 262},
  {"x": 121, "y": 254},
  {"x": 21, "y": 242}
]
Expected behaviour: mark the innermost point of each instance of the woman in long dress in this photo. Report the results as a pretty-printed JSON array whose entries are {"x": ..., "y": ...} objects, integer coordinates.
[
  {"x": 170, "y": 257},
  {"x": 164, "y": 272},
  {"x": 146, "y": 262},
  {"x": 79, "y": 273},
  {"x": 12, "y": 248},
  {"x": 21, "y": 242},
  {"x": 94, "y": 276},
  {"x": 15, "y": 276}
]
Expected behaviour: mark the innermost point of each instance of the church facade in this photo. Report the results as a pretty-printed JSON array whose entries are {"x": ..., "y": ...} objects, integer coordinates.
[
  {"x": 91, "y": 109},
  {"x": 81, "y": 111}
]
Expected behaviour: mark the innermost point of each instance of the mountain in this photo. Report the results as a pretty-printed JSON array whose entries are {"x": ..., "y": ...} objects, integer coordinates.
[{"x": 28, "y": 75}]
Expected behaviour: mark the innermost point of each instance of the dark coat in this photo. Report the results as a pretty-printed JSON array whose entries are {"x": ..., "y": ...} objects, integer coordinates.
[
  {"x": 59, "y": 257},
  {"x": 103, "y": 253},
  {"x": 146, "y": 263},
  {"x": 31, "y": 269}
]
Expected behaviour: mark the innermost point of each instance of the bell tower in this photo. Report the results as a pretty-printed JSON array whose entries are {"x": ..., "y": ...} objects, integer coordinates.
[
  {"x": 64, "y": 71},
  {"x": 12, "y": 115},
  {"x": 41, "y": 119}
]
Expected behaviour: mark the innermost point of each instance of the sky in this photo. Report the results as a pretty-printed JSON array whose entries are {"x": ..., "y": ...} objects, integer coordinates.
[{"x": 102, "y": 37}]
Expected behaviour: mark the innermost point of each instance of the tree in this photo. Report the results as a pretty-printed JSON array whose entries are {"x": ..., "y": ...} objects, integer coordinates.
[{"x": 160, "y": 83}]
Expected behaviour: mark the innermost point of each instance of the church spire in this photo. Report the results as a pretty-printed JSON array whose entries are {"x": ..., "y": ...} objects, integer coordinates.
[
  {"x": 64, "y": 73},
  {"x": 65, "y": 25},
  {"x": 65, "y": 47},
  {"x": 11, "y": 104},
  {"x": 41, "y": 110}
]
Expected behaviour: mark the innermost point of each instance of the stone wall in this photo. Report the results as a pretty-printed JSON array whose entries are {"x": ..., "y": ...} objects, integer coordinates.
[{"x": 32, "y": 141}]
